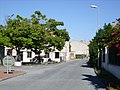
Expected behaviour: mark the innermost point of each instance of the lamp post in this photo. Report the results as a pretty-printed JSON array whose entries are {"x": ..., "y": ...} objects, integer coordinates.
[
  {"x": 98, "y": 14},
  {"x": 98, "y": 22}
]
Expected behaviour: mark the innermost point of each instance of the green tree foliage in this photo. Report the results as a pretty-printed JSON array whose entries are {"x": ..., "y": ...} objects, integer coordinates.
[
  {"x": 17, "y": 30},
  {"x": 37, "y": 33},
  {"x": 56, "y": 37},
  {"x": 93, "y": 52},
  {"x": 4, "y": 40},
  {"x": 47, "y": 33},
  {"x": 103, "y": 38}
]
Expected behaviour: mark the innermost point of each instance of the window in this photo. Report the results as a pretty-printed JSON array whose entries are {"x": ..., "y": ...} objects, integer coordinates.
[
  {"x": 29, "y": 54},
  {"x": 56, "y": 54}
]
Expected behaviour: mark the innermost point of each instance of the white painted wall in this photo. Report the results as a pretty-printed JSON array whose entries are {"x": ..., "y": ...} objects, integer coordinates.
[
  {"x": 52, "y": 56},
  {"x": 114, "y": 69},
  {"x": 25, "y": 58},
  {"x": 6, "y": 49},
  {"x": 63, "y": 53}
]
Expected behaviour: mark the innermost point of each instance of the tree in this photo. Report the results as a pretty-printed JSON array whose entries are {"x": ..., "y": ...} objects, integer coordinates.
[
  {"x": 93, "y": 52},
  {"x": 4, "y": 40},
  {"x": 37, "y": 33},
  {"x": 57, "y": 37},
  {"x": 48, "y": 36},
  {"x": 18, "y": 31},
  {"x": 104, "y": 37}
]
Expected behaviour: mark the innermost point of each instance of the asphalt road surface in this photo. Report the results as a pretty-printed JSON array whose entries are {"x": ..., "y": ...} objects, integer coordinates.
[{"x": 71, "y": 75}]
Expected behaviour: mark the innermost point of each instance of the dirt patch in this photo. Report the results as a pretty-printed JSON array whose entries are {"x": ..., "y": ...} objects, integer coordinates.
[{"x": 4, "y": 75}]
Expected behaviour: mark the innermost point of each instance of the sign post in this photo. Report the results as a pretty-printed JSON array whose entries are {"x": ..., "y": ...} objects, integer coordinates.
[{"x": 8, "y": 61}]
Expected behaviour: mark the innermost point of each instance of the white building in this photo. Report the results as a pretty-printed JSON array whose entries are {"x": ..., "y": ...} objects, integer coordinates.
[
  {"x": 63, "y": 54},
  {"x": 26, "y": 55},
  {"x": 79, "y": 49}
]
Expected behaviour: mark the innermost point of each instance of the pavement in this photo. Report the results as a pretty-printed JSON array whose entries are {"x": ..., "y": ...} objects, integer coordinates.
[
  {"x": 4, "y": 75},
  {"x": 71, "y": 75},
  {"x": 16, "y": 72}
]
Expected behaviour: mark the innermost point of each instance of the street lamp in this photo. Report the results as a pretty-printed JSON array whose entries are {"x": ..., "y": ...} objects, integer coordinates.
[
  {"x": 98, "y": 19},
  {"x": 98, "y": 14}
]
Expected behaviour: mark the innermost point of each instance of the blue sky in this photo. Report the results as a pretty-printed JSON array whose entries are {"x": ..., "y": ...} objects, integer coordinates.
[{"x": 79, "y": 19}]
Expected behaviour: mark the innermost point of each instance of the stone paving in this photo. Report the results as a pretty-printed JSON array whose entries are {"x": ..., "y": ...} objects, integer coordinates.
[{"x": 4, "y": 75}]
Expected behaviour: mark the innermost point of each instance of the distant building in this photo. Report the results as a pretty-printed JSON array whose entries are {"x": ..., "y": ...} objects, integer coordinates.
[{"x": 79, "y": 49}]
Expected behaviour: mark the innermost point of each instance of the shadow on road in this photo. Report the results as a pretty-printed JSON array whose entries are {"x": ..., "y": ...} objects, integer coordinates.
[
  {"x": 94, "y": 80},
  {"x": 87, "y": 65}
]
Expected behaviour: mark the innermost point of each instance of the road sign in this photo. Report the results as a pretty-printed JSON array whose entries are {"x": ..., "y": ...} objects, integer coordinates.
[{"x": 8, "y": 61}]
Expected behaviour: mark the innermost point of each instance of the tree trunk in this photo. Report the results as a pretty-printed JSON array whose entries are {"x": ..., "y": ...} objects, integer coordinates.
[{"x": 18, "y": 54}]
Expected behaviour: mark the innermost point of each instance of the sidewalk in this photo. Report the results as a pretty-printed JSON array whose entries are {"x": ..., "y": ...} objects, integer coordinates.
[{"x": 4, "y": 75}]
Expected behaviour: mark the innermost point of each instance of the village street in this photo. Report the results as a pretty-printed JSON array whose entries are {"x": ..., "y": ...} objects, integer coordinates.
[{"x": 70, "y": 75}]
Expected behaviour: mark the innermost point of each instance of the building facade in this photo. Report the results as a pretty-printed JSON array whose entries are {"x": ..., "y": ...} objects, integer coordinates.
[
  {"x": 79, "y": 49},
  {"x": 26, "y": 54}
]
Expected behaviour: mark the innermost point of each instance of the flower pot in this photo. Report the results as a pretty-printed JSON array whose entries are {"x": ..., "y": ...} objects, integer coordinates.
[{"x": 18, "y": 63}]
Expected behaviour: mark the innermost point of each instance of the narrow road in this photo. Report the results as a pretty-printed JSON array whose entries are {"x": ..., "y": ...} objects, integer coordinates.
[{"x": 72, "y": 75}]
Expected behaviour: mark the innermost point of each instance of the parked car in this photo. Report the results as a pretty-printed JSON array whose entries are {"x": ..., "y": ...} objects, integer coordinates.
[{"x": 37, "y": 60}]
